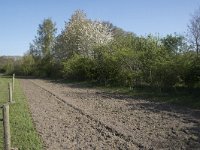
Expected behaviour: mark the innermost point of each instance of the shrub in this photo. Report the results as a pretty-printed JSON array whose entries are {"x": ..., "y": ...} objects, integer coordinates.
[{"x": 78, "y": 68}]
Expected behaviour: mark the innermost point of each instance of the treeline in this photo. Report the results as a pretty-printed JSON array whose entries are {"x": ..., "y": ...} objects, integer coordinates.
[
  {"x": 88, "y": 50},
  {"x": 9, "y": 63}
]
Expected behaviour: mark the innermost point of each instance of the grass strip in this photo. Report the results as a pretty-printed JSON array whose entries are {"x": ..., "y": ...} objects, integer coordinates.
[{"x": 23, "y": 133}]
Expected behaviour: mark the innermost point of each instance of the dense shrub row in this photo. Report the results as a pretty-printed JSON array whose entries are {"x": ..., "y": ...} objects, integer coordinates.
[{"x": 100, "y": 52}]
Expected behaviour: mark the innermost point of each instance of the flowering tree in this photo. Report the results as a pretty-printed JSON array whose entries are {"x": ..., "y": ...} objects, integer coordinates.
[{"x": 81, "y": 35}]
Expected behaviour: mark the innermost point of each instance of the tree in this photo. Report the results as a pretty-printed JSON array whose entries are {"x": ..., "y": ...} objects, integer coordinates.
[
  {"x": 42, "y": 47},
  {"x": 45, "y": 39},
  {"x": 194, "y": 30},
  {"x": 173, "y": 43},
  {"x": 81, "y": 35}
]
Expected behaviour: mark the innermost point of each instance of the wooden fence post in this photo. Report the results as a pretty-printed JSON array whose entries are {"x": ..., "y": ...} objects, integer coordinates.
[
  {"x": 10, "y": 92},
  {"x": 13, "y": 82},
  {"x": 6, "y": 127}
]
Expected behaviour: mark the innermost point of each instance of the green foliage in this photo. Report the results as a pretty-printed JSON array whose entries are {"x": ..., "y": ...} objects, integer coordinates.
[
  {"x": 101, "y": 52},
  {"x": 45, "y": 38},
  {"x": 130, "y": 60},
  {"x": 8, "y": 65},
  {"x": 165, "y": 73},
  {"x": 107, "y": 67},
  {"x": 9, "y": 68},
  {"x": 28, "y": 65},
  {"x": 192, "y": 75},
  {"x": 173, "y": 44},
  {"x": 40, "y": 52},
  {"x": 78, "y": 68}
]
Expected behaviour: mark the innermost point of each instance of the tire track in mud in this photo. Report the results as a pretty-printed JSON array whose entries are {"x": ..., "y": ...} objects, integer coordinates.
[{"x": 99, "y": 126}]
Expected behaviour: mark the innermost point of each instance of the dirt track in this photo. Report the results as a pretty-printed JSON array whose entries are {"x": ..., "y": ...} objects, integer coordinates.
[{"x": 70, "y": 117}]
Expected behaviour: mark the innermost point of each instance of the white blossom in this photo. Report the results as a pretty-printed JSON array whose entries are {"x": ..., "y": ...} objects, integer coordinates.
[{"x": 81, "y": 35}]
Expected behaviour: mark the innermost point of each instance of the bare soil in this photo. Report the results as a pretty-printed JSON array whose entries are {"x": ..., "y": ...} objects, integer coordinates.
[{"x": 68, "y": 116}]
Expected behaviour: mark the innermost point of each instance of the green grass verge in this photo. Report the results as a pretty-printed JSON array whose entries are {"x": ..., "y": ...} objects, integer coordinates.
[{"x": 23, "y": 133}]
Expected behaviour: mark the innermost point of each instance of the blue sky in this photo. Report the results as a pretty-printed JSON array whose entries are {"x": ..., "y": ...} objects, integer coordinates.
[{"x": 19, "y": 19}]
